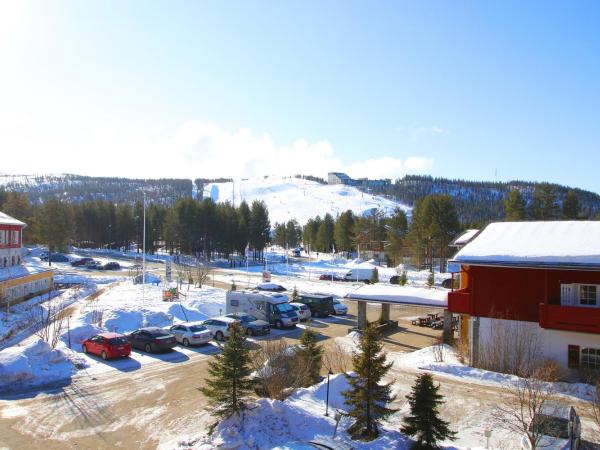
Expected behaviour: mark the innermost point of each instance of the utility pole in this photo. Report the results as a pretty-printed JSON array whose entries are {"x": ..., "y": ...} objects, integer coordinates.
[{"x": 144, "y": 250}]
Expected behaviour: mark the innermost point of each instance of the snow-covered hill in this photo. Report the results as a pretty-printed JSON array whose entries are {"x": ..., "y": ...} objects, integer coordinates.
[{"x": 300, "y": 199}]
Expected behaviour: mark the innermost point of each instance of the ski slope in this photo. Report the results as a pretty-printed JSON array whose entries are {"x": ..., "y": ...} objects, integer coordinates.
[{"x": 299, "y": 199}]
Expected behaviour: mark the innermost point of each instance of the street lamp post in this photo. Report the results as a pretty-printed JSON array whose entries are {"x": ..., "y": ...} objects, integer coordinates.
[{"x": 327, "y": 398}]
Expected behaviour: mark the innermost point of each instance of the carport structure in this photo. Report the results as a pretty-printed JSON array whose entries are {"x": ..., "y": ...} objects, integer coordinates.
[{"x": 388, "y": 295}]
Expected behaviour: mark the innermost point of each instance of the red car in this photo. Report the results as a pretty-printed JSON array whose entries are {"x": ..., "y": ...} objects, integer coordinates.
[{"x": 107, "y": 345}]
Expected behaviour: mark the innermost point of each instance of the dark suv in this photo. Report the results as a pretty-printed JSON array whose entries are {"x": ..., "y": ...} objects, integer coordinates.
[
  {"x": 320, "y": 305},
  {"x": 152, "y": 339}
]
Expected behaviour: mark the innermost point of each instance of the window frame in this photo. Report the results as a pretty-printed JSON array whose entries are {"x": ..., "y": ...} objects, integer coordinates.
[{"x": 595, "y": 355}]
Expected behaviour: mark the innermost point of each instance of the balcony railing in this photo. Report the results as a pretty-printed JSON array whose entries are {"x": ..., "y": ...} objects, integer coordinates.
[
  {"x": 459, "y": 302},
  {"x": 570, "y": 318}
]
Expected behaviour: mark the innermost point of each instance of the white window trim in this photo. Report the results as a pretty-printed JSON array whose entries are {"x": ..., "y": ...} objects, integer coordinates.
[{"x": 574, "y": 299}]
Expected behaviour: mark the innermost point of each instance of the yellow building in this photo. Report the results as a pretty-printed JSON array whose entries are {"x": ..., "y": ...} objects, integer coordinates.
[{"x": 18, "y": 282}]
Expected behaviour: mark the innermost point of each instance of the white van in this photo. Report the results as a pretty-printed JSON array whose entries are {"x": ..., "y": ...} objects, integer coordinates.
[
  {"x": 359, "y": 274},
  {"x": 269, "y": 306}
]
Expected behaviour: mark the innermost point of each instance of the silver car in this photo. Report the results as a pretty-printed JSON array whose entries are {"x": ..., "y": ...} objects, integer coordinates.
[{"x": 191, "y": 333}]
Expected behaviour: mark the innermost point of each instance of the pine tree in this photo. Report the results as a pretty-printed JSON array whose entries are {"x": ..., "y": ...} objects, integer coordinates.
[
  {"x": 311, "y": 356},
  {"x": 233, "y": 286},
  {"x": 367, "y": 398},
  {"x": 570, "y": 207},
  {"x": 424, "y": 421},
  {"x": 374, "y": 276},
  {"x": 295, "y": 294},
  {"x": 514, "y": 206},
  {"x": 229, "y": 386},
  {"x": 430, "y": 279}
]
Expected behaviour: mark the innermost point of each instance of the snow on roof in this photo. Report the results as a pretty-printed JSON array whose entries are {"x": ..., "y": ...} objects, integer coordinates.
[
  {"x": 5, "y": 219},
  {"x": 464, "y": 238},
  {"x": 409, "y": 295},
  {"x": 558, "y": 243}
]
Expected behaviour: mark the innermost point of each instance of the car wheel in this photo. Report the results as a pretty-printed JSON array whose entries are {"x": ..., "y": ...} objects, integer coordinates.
[
  {"x": 104, "y": 356},
  {"x": 84, "y": 349},
  {"x": 279, "y": 324},
  {"x": 249, "y": 332},
  {"x": 219, "y": 336},
  {"x": 186, "y": 343},
  {"x": 148, "y": 348}
]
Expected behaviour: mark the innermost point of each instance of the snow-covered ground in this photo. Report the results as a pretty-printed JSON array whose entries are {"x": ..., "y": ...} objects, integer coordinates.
[
  {"x": 300, "y": 418},
  {"x": 299, "y": 199},
  {"x": 273, "y": 423}
]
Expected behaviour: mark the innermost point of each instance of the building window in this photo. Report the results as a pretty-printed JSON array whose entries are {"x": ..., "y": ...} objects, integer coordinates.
[
  {"x": 590, "y": 358},
  {"x": 573, "y": 357},
  {"x": 588, "y": 295}
]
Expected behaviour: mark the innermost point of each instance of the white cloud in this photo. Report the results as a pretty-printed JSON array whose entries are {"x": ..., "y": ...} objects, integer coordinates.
[{"x": 195, "y": 149}]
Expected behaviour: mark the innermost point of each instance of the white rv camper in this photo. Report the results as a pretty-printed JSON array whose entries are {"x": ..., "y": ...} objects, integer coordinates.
[{"x": 269, "y": 306}]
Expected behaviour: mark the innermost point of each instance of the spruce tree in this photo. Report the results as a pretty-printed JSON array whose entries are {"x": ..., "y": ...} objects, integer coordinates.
[
  {"x": 430, "y": 279},
  {"x": 570, "y": 206},
  {"x": 424, "y": 422},
  {"x": 295, "y": 294},
  {"x": 514, "y": 206},
  {"x": 233, "y": 286},
  {"x": 229, "y": 386},
  {"x": 311, "y": 356},
  {"x": 403, "y": 278},
  {"x": 367, "y": 398}
]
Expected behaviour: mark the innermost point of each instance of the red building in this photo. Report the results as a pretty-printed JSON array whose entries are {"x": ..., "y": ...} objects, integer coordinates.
[
  {"x": 538, "y": 277},
  {"x": 18, "y": 281},
  {"x": 11, "y": 234}
]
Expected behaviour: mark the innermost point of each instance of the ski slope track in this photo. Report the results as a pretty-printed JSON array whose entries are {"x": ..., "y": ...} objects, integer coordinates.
[{"x": 299, "y": 199}]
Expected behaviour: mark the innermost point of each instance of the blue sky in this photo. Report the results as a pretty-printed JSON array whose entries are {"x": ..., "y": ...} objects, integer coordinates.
[{"x": 469, "y": 90}]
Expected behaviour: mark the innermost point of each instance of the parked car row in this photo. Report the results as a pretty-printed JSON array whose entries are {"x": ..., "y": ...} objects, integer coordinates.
[
  {"x": 90, "y": 263},
  {"x": 154, "y": 339}
]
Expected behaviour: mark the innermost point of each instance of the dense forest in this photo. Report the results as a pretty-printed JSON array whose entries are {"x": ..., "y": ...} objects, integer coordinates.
[
  {"x": 480, "y": 202},
  {"x": 77, "y": 188},
  {"x": 476, "y": 202},
  {"x": 203, "y": 228}
]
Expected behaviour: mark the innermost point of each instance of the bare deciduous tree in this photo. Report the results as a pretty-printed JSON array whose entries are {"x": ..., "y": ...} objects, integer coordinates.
[
  {"x": 511, "y": 347},
  {"x": 438, "y": 351},
  {"x": 4, "y": 299},
  {"x": 203, "y": 272},
  {"x": 521, "y": 408},
  {"x": 48, "y": 319},
  {"x": 596, "y": 405},
  {"x": 278, "y": 369},
  {"x": 336, "y": 359}
]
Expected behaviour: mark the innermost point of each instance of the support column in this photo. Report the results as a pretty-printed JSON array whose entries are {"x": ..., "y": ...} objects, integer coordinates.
[
  {"x": 385, "y": 312},
  {"x": 447, "y": 334},
  {"x": 362, "y": 315}
]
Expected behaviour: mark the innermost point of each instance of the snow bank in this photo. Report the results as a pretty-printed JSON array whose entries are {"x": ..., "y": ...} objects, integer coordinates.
[
  {"x": 35, "y": 363},
  {"x": 555, "y": 242},
  {"x": 401, "y": 294},
  {"x": 428, "y": 359},
  {"x": 272, "y": 423}
]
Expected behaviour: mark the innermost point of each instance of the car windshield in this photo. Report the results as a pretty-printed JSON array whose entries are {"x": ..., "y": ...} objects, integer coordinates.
[
  {"x": 284, "y": 307},
  {"x": 197, "y": 328},
  {"x": 337, "y": 302},
  {"x": 158, "y": 333},
  {"x": 247, "y": 318},
  {"x": 118, "y": 340},
  {"x": 550, "y": 426}
]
